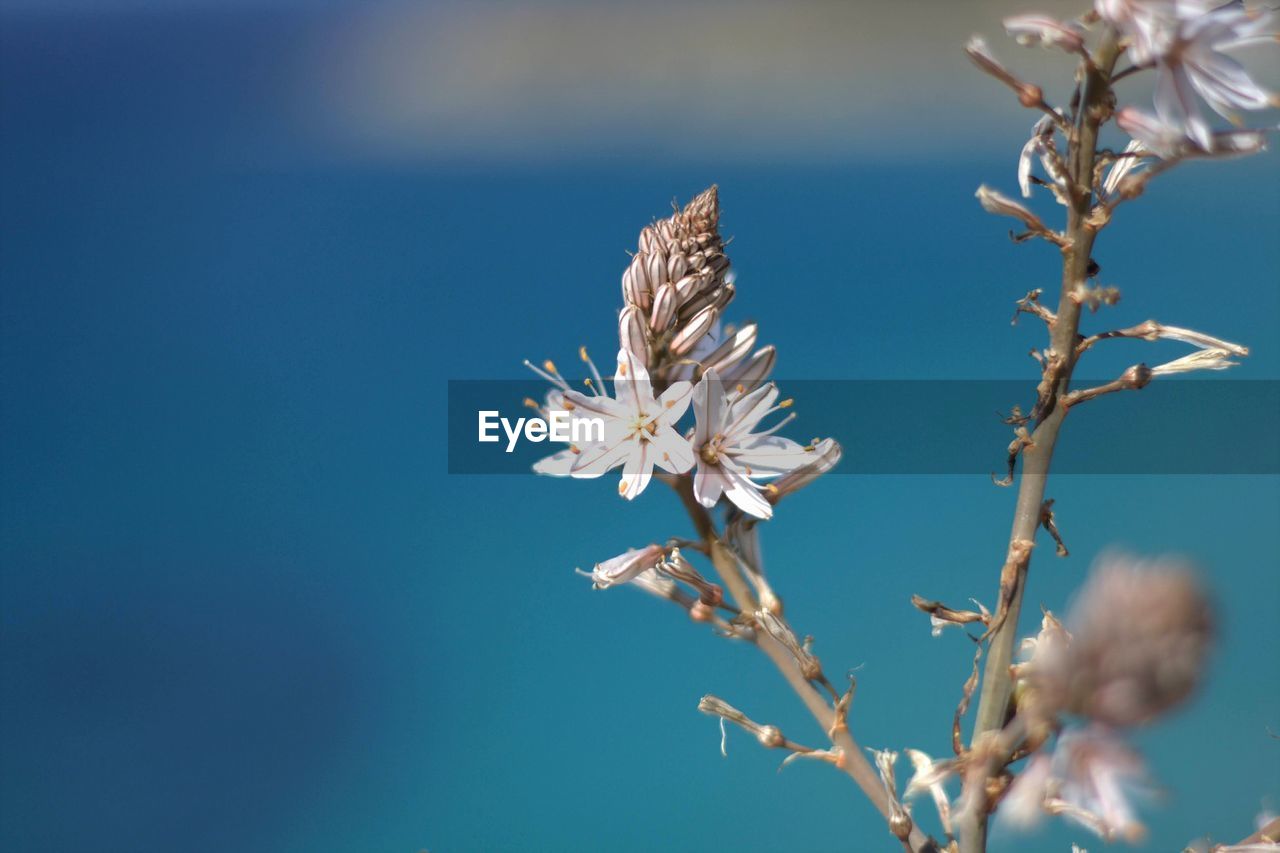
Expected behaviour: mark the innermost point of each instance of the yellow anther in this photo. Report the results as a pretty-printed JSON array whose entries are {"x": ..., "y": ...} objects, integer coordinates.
[
  {"x": 786, "y": 403},
  {"x": 582, "y": 353},
  {"x": 550, "y": 367},
  {"x": 531, "y": 403}
]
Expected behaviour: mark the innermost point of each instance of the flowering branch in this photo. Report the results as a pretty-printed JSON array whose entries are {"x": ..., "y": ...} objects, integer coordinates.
[
  {"x": 1139, "y": 635},
  {"x": 1182, "y": 43}
]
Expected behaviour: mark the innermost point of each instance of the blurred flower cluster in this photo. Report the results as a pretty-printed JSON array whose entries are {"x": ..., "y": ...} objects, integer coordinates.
[
  {"x": 1187, "y": 44},
  {"x": 1133, "y": 647}
]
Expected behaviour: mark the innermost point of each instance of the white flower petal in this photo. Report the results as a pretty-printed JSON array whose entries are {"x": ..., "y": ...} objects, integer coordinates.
[
  {"x": 745, "y": 494},
  {"x": 708, "y": 407},
  {"x": 672, "y": 451},
  {"x": 772, "y": 455},
  {"x": 637, "y": 471},
  {"x": 594, "y": 461},
  {"x": 708, "y": 484},
  {"x": 674, "y": 402}
]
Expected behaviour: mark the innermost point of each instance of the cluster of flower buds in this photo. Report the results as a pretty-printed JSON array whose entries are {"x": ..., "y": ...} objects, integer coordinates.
[
  {"x": 677, "y": 285},
  {"x": 670, "y": 334}
]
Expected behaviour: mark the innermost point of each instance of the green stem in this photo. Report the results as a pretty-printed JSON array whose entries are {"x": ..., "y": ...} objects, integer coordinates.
[{"x": 997, "y": 682}]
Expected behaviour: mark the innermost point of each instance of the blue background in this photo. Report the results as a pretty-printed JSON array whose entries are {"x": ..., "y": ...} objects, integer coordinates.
[{"x": 244, "y": 607}]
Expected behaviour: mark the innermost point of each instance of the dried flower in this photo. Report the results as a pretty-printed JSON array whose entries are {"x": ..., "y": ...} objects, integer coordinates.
[
  {"x": 1001, "y": 205},
  {"x": 899, "y": 816},
  {"x": 1041, "y": 144},
  {"x": 1031, "y": 30},
  {"x": 1205, "y": 359},
  {"x": 931, "y": 776},
  {"x": 639, "y": 429},
  {"x": 768, "y": 736},
  {"x": 625, "y": 567}
]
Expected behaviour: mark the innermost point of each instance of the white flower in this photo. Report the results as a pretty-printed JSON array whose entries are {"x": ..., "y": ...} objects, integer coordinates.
[
  {"x": 560, "y": 464},
  {"x": 1088, "y": 779},
  {"x": 1185, "y": 39},
  {"x": 1167, "y": 140},
  {"x": 1130, "y": 163},
  {"x": 730, "y": 453},
  {"x": 639, "y": 429},
  {"x": 1041, "y": 144},
  {"x": 931, "y": 776}
]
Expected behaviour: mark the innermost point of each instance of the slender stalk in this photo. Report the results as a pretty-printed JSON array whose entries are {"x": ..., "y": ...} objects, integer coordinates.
[
  {"x": 1037, "y": 457},
  {"x": 855, "y": 762}
]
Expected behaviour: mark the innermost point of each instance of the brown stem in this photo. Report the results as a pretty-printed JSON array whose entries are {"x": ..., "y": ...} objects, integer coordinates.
[
  {"x": 855, "y": 762},
  {"x": 997, "y": 681}
]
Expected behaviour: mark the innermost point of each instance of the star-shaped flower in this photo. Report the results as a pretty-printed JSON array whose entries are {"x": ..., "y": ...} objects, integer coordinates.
[
  {"x": 639, "y": 429},
  {"x": 730, "y": 453}
]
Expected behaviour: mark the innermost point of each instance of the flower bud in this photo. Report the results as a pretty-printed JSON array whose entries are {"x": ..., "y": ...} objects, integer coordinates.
[
  {"x": 632, "y": 334},
  {"x": 734, "y": 349},
  {"x": 656, "y": 270},
  {"x": 635, "y": 284},
  {"x": 692, "y": 332},
  {"x": 626, "y": 567},
  {"x": 752, "y": 372},
  {"x": 677, "y": 266},
  {"x": 664, "y": 309}
]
